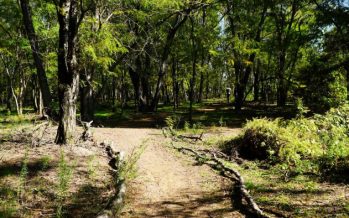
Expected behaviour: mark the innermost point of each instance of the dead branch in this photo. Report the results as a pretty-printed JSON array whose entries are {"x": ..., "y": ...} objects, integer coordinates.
[
  {"x": 38, "y": 133},
  {"x": 231, "y": 174},
  {"x": 175, "y": 136},
  {"x": 87, "y": 134},
  {"x": 192, "y": 137}
]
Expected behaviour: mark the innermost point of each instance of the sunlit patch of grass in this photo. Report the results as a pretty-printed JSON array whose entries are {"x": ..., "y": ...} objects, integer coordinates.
[{"x": 15, "y": 122}]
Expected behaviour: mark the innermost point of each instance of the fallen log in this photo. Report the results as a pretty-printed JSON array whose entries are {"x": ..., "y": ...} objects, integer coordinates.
[
  {"x": 116, "y": 160},
  {"x": 231, "y": 174}
]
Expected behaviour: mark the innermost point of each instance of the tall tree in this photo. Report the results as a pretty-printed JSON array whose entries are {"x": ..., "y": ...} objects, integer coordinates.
[
  {"x": 69, "y": 18},
  {"x": 33, "y": 40}
]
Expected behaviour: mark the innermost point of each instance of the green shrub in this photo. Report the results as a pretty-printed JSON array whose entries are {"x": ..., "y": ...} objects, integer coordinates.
[
  {"x": 319, "y": 144},
  {"x": 259, "y": 139},
  {"x": 173, "y": 121}
]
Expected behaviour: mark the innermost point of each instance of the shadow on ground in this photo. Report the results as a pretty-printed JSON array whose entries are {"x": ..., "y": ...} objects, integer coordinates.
[
  {"x": 208, "y": 114},
  {"x": 215, "y": 204}
]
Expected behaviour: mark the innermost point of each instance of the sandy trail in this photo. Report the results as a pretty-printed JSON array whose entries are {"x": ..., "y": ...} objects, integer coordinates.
[{"x": 168, "y": 183}]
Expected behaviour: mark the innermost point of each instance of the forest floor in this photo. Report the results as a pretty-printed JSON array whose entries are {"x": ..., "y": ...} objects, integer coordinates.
[
  {"x": 169, "y": 184},
  {"x": 36, "y": 181}
]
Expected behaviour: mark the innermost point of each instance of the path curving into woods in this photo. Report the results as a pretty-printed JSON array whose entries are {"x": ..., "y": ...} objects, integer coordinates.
[{"x": 168, "y": 184}]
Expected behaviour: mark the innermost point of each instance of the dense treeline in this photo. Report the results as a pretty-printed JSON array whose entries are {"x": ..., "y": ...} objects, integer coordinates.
[{"x": 80, "y": 54}]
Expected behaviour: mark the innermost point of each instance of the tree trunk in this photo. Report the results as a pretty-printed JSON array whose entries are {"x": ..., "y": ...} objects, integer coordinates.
[
  {"x": 86, "y": 96},
  {"x": 9, "y": 95},
  {"x": 28, "y": 24},
  {"x": 136, "y": 87},
  {"x": 245, "y": 73},
  {"x": 175, "y": 85},
  {"x": 193, "y": 79},
  {"x": 68, "y": 76},
  {"x": 240, "y": 86},
  {"x": 256, "y": 83},
  {"x": 282, "y": 86},
  {"x": 180, "y": 19}
]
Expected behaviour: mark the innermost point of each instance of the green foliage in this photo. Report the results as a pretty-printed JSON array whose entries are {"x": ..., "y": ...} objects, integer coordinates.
[
  {"x": 8, "y": 202},
  {"x": 325, "y": 87},
  {"x": 304, "y": 145},
  {"x": 92, "y": 167},
  {"x": 301, "y": 109},
  {"x": 45, "y": 162},
  {"x": 173, "y": 121},
  {"x": 128, "y": 169}
]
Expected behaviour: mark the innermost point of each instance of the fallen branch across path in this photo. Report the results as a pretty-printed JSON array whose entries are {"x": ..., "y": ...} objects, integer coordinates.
[
  {"x": 175, "y": 136},
  {"x": 231, "y": 174}
]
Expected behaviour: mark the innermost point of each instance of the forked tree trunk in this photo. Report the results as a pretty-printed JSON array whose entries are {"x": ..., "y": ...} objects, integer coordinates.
[{"x": 68, "y": 76}]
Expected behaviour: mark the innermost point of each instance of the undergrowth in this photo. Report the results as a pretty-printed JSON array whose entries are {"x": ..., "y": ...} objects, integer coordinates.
[
  {"x": 317, "y": 145},
  {"x": 65, "y": 173}
]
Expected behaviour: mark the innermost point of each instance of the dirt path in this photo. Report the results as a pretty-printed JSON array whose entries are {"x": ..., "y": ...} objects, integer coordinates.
[{"x": 168, "y": 184}]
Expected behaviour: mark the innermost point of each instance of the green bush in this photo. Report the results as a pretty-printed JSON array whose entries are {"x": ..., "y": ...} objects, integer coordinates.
[{"x": 319, "y": 144}]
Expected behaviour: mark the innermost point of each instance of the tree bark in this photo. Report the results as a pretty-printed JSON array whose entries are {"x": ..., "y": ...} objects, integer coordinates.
[
  {"x": 68, "y": 76},
  {"x": 29, "y": 27},
  {"x": 256, "y": 82},
  {"x": 282, "y": 86},
  {"x": 193, "y": 79},
  {"x": 175, "y": 85},
  {"x": 86, "y": 96}
]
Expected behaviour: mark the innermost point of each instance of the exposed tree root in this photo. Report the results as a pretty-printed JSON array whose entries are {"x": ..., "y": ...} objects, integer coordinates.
[
  {"x": 229, "y": 173},
  {"x": 116, "y": 160}
]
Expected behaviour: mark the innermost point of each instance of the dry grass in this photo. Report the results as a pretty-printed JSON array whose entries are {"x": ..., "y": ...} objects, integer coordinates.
[{"x": 33, "y": 189}]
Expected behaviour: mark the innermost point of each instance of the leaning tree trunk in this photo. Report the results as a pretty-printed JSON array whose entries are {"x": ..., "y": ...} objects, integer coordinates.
[
  {"x": 180, "y": 19},
  {"x": 29, "y": 27},
  {"x": 68, "y": 76}
]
